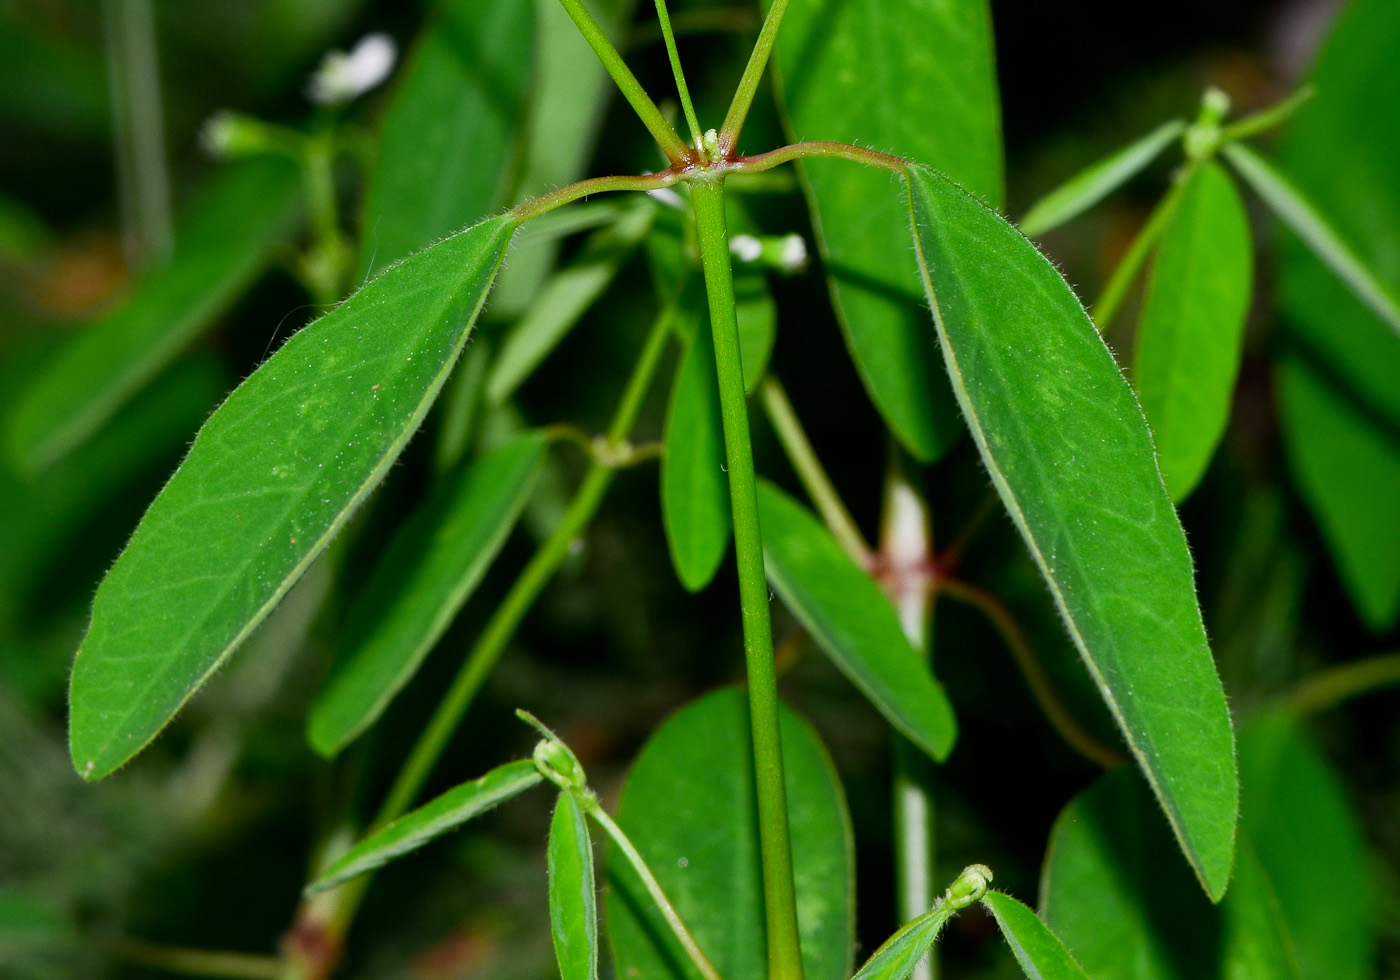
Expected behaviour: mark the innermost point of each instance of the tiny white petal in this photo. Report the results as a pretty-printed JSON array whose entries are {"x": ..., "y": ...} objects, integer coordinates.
[
  {"x": 343, "y": 77},
  {"x": 746, "y": 248},
  {"x": 794, "y": 256}
]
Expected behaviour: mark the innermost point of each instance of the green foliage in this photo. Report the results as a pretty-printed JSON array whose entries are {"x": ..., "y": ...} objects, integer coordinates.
[
  {"x": 1039, "y": 951},
  {"x": 573, "y": 900}
]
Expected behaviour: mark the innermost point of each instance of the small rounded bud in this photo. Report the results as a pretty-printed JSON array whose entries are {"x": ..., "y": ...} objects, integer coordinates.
[{"x": 970, "y": 886}]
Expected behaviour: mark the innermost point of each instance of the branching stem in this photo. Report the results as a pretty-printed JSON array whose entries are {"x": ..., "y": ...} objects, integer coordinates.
[
  {"x": 1329, "y": 688},
  {"x": 683, "y": 90},
  {"x": 753, "y": 74}
]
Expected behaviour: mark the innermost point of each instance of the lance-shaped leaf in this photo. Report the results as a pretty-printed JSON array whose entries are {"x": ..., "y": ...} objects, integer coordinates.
[
  {"x": 1070, "y": 454},
  {"x": 916, "y": 79},
  {"x": 573, "y": 899},
  {"x": 689, "y": 808},
  {"x": 430, "y": 821},
  {"x": 757, "y": 316},
  {"x": 1095, "y": 182},
  {"x": 429, "y": 570},
  {"x": 447, "y": 138},
  {"x": 896, "y": 958},
  {"x": 1039, "y": 951},
  {"x": 1299, "y": 214},
  {"x": 853, "y": 621},
  {"x": 230, "y": 235},
  {"x": 694, "y": 487},
  {"x": 1192, "y": 329},
  {"x": 270, "y": 478}
]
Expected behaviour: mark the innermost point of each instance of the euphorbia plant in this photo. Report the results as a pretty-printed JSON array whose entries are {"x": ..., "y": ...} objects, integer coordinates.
[{"x": 280, "y": 469}]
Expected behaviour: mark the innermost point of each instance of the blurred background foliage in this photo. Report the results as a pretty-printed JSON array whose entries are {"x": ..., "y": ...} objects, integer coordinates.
[{"x": 204, "y": 841}]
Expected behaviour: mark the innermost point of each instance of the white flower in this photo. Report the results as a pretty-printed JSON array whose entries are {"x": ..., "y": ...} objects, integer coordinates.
[
  {"x": 793, "y": 257},
  {"x": 343, "y": 77},
  {"x": 746, "y": 248}
]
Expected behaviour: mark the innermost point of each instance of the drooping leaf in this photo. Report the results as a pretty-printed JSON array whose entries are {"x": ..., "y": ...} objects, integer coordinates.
[
  {"x": 1095, "y": 182},
  {"x": 1071, "y": 456},
  {"x": 430, "y": 821},
  {"x": 1039, "y": 951},
  {"x": 447, "y": 138},
  {"x": 228, "y": 238},
  {"x": 853, "y": 620},
  {"x": 270, "y": 478},
  {"x": 429, "y": 570},
  {"x": 694, "y": 487},
  {"x": 564, "y": 301},
  {"x": 1305, "y": 221},
  {"x": 916, "y": 79},
  {"x": 1192, "y": 329},
  {"x": 1305, "y": 833},
  {"x": 689, "y": 808},
  {"x": 573, "y": 900}
]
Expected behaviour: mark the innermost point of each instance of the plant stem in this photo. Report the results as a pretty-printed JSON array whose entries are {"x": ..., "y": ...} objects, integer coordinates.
[
  {"x": 1329, "y": 688},
  {"x": 1266, "y": 119},
  {"x": 760, "y": 162},
  {"x": 665, "y": 135},
  {"x": 682, "y": 89},
  {"x": 753, "y": 73},
  {"x": 326, "y": 263},
  {"x": 810, "y": 470},
  {"x": 137, "y": 122},
  {"x": 668, "y": 911},
  {"x": 1055, "y": 710},
  {"x": 194, "y": 962},
  {"x": 546, "y": 203},
  {"x": 780, "y": 902},
  {"x": 1126, "y": 274}
]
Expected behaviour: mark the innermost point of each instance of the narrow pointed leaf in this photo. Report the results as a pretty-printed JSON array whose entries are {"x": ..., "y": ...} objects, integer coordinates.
[
  {"x": 1303, "y": 218},
  {"x": 1039, "y": 951},
  {"x": 1192, "y": 329},
  {"x": 429, "y": 570},
  {"x": 270, "y": 478},
  {"x": 853, "y": 620},
  {"x": 694, "y": 487},
  {"x": 430, "y": 821},
  {"x": 563, "y": 302},
  {"x": 573, "y": 899},
  {"x": 447, "y": 139},
  {"x": 913, "y": 78},
  {"x": 1071, "y": 456},
  {"x": 689, "y": 807},
  {"x": 229, "y": 237},
  {"x": 1095, "y": 182},
  {"x": 898, "y": 955}
]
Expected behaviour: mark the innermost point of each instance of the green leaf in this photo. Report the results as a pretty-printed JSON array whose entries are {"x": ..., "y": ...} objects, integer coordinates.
[
  {"x": 1299, "y": 214},
  {"x": 1308, "y": 840},
  {"x": 270, "y": 478},
  {"x": 896, "y": 958},
  {"x": 433, "y": 565},
  {"x": 430, "y": 821},
  {"x": 447, "y": 140},
  {"x": 694, "y": 487},
  {"x": 689, "y": 808},
  {"x": 564, "y": 301},
  {"x": 757, "y": 314},
  {"x": 230, "y": 235},
  {"x": 1347, "y": 464},
  {"x": 1039, "y": 951},
  {"x": 853, "y": 620},
  {"x": 1192, "y": 329},
  {"x": 1095, "y": 182},
  {"x": 1071, "y": 456},
  {"x": 916, "y": 79},
  {"x": 573, "y": 900}
]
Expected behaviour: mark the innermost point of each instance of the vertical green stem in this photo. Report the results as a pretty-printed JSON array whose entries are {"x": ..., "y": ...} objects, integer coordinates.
[
  {"x": 134, "y": 74},
  {"x": 328, "y": 258},
  {"x": 753, "y": 73},
  {"x": 1116, "y": 290},
  {"x": 780, "y": 903}
]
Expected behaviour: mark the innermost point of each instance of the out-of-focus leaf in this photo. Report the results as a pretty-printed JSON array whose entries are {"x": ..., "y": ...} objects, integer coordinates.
[
  {"x": 1304, "y": 831},
  {"x": 1095, "y": 182},
  {"x": 1192, "y": 329},
  {"x": 1305, "y": 221},
  {"x": 448, "y": 136},
  {"x": 689, "y": 808},
  {"x": 1341, "y": 379},
  {"x": 1347, "y": 464},
  {"x": 230, "y": 235},
  {"x": 757, "y": 314},
  {"x": 1254, "y": 937},
  {"x": 915, "y": 79},
  {"x": 573, "y": 900},
  {"x": 23, "y": 234},
  {"x": 1071, "y": 456},
  {"x": 428, "y": 572},
  {"x": 1039, "y": 951},
  {"x": 270, "y": 478},
  {"x": 24, "y": 921},
  {"x": 853, "y": 620},
  {"x": 694, "y": 487},
  {"x": 417, "y": 827},
  {"x": 564, "y": 301}
]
